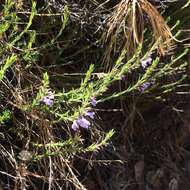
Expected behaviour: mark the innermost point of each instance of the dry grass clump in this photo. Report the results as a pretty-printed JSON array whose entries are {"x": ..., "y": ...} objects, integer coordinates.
[{"x": 127, "y": 23}]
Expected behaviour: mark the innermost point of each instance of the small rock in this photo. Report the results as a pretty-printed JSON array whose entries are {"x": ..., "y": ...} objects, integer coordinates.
[{"x": 25, "y": 155}]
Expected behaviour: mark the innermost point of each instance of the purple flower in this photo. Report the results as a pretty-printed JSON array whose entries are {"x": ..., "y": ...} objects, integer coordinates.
[
  {"x": 75, "y": 126},
  {"x": 93, "y": 101},
  {"x": 146, "y": 62},
  {"x": 123, "y": 77},
  {"x": 90, "y": 114},
  {"x": 84, "y": 123},
  {"x": 81, "y": 121},
  {"x": 48, "y": 99},
  {"x": 146, "y": 85}
]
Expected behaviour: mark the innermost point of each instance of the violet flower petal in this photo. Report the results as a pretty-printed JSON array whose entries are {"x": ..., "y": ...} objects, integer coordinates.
[
  {"x": 149, "y": 60},
  {"x": 46, "y": 100},
  {"x": 90, "y": 114},
  {"x": 75, "y": 126},
  {"x": 123, "y": 77},
  {"x": 84, "y": 123},
  {"x": 93, "y": 101},
  {"x": 144, "y": 86},
  {"x": 146, "y": 62}
]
